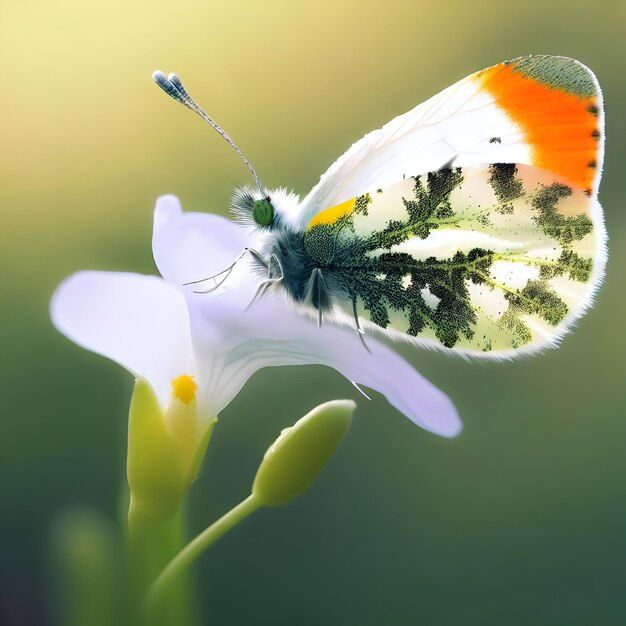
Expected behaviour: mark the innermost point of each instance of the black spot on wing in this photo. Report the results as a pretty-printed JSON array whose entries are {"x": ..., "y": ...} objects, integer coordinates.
[
  {"x": 505, "y": 184},
  {"x": 564, "y": 229}
]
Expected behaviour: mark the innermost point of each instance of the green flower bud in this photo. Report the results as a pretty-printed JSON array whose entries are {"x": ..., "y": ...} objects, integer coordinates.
[
  {"x": 294, "y": 460},
  {"x": 154, "y": 466}
]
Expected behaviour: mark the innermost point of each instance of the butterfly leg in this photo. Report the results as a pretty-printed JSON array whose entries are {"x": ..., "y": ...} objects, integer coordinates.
[
  {"x": 263, "y": 287},
  {"x": 359, "y": 330},
  {"x": 360, "y": 390},
  {"x": 317, "y": 294},
  {"x": 274, "y": 275},
  {"x": 220, "y": 278},
  {"x": 257, "y": 256},
  {"x": 274, "y": 268}
]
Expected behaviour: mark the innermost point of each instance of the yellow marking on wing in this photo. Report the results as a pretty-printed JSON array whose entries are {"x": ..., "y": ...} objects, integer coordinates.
[{"x": 331, "y": 215}]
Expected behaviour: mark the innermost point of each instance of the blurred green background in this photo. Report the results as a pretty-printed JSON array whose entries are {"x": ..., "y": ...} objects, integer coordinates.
[{"x": 520, "y": 520}]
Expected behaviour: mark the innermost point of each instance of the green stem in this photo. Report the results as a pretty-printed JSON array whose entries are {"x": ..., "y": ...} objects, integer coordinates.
[
  {"x": 197, "y": 546},
  {"x": 152, "y": 545}
]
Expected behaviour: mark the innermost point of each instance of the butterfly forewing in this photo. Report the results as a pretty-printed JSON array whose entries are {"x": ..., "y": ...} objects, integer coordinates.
[
  {"x": 485, "y": 259},
  {"x": 544, "y": 111}
]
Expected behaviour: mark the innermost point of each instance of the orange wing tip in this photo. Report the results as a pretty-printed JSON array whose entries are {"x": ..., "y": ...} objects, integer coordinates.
[{"x": 555, "y": 101}]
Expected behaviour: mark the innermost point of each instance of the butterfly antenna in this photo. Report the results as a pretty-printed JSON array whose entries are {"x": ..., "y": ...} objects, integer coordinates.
[{"x": 173, "y": 86}]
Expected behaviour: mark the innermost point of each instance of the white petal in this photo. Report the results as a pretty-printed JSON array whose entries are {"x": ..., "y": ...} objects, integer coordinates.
[
  {"x": 272, "y": 333},
  {"x": 140, "y": 322},
  {"x": 192, "y": 246},
  {"x": 167, "y": 208},
  {"x": 385, "y": 371}
]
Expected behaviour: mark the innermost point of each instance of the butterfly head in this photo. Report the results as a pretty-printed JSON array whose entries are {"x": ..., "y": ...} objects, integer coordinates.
[
  {"x": 272, "y": 211},
  {"x": 253, "y": 209}
]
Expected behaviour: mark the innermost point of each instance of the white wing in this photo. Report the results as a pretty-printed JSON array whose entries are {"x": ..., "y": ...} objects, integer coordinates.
[{"x": 494, "y": 116}]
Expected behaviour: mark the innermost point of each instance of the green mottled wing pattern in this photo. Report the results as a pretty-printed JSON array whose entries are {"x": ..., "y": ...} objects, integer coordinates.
[{"x": 489, "y": 259}]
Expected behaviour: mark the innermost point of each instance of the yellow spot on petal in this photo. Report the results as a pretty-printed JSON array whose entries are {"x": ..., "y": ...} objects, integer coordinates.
[
  {"x": 184, "y": 388},
  {"x": 329, "y": 216}
]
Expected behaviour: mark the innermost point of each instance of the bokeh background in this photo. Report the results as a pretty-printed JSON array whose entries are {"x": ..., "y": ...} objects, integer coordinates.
[{"x": 520, "y": 520}]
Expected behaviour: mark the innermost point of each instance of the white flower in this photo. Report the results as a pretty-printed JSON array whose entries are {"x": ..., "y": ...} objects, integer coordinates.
[{"x": 160, "y": 330}]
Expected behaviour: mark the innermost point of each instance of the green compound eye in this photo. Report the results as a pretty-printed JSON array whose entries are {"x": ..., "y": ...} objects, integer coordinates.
[{"x": 263, "y": 212}]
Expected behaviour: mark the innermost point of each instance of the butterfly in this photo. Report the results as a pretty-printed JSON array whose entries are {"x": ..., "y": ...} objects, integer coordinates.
[{"x": 470, "y": 223}]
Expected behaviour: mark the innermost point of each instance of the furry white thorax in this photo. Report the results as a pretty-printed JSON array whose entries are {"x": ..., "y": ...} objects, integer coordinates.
[{"x": 288, "y": 206}]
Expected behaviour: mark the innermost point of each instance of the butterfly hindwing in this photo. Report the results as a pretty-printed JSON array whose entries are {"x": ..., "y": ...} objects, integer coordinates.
[{"x": 485, "y": 259}]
